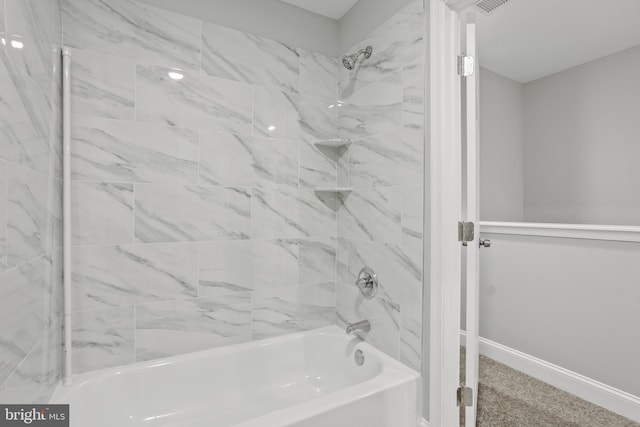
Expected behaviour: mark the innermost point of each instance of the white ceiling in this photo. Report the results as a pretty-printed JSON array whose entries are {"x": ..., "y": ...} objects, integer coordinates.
[
  {"x": 529, "y": 39},
  {"x": 334, "y": 9}
]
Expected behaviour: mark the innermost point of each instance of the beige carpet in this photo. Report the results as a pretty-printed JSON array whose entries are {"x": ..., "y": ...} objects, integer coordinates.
[{"x": 509, "y": 398}]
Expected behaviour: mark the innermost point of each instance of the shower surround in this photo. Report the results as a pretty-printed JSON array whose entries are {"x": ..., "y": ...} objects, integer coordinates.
[
  {"x": 193, "y": 167},
  {"x": 380, "y": 223},
  {"x": 30, "y": 200},
  {"x": 195, "y": 223}
]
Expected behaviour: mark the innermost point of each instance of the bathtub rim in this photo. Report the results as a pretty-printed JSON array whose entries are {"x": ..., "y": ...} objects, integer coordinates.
[{"x": 391, "y": 368}]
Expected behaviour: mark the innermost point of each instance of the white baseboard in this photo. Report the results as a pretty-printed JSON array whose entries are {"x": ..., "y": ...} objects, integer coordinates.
[{"x": 608, "y": 397}]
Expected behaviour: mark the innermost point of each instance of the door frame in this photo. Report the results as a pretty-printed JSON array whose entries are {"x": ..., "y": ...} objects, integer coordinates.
[
  {"x": 442, "y": 248},
  {"x": 443, "y": 210}
]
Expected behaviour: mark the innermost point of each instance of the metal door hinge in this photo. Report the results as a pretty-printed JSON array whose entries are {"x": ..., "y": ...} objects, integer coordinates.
[
  {"x": 466, "y": 232},
  {"x": 466, "y": 65},
  {"x": 464, "y": 396}
]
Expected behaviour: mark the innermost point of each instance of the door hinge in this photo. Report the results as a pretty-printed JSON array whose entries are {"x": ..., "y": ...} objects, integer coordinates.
[
  {"x": 466, "y": 65},
  {"x": 466, "y": 232},
  {"x": 464, "y": 396}
]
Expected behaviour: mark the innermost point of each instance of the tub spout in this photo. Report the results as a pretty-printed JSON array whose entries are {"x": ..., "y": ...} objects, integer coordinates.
[{"x": 361, "y": 326}]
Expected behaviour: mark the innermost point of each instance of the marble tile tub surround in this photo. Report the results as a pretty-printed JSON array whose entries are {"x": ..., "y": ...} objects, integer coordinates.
[
  {"x": 380, "y": 221},
  {"x": 193, "y": 167},
  {"x": 30, "y": 200}
]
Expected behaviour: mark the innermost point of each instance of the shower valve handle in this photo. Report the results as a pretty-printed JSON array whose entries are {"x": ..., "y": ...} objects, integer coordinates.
[{"x": 367, "y": 282}]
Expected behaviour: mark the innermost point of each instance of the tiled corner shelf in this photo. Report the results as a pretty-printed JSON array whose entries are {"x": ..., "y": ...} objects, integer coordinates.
[
  {"x": 334, "y": 142},
  {"x": 332, "y": 189}
]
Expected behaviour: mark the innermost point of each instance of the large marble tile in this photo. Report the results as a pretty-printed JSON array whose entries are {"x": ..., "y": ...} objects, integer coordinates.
[
  {"x": 283, "y": 311},
  {"x": 133, "y": 30},
  {"x": 22, "y": 316},
  {"x": 374, "y": 109},
  {"x": 399, "y": 270},
  {"x": 103, "y": 86},
  {"x": 121, "y": 151},
  {"x": 413, "y": 104},
  {"x": 55, "y": 143},
  {"x": 275, "y": 115},
  {"x": 317, "y": 260},
  {"x": 279, "y": 214},
  {"x": 245, "y": 161},
  {"x": 30, "y": 69},
  {"x": 286, "y": 115},
  {"x": 344, "y": 178},
  {"x": 22, "y": 138},
  {"x": 192, "y": 101},
  {"x": 31, "y": 22},
  {"x": 54, "y": 292},
  {"x": 172, "y": 213},
  {"x": 318, "y": 75},
  {"x": 411, "y": 337},
  {"x": 102, "y": 339},
  {"x": 236, "y": 55},
  {"x": 397, "y": 42},
  {"x": 385, "y": 159},
  {"x": 54, "y": 227},
  {"x": 318, "y": 118},
  {"x": 371, "y": 214},
  {"x": 102, "y": 213},
  {"x": 24, "y": 384},
  {"x": 26, "y": 215},
  {"x": 37, "y": 376},
  {"x": 245, "y": 265},
  {"x": 2, "y": 17},
  {"x": 3, "y": 215},
  {"x": 319, "y": 165},
  {"x": 383, "y": 315},
  {"x": 113, "y": 276},
  {"x": 412, "y": 216},
  {"x": 177, "y": 327}
]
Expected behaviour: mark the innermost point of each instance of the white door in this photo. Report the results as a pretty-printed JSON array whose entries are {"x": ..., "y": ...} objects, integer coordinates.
[{"x": 470, "y": 206}]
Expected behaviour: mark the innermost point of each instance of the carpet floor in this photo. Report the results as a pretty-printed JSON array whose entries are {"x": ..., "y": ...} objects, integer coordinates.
[{"x": 510, "y": 398}]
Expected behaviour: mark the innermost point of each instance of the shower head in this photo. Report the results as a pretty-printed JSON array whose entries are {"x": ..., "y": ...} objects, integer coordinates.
[{"x": 349, "y": 61}]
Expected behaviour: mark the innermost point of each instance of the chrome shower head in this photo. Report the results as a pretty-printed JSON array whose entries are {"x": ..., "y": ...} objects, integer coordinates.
[{"x": 349, "y": 61}]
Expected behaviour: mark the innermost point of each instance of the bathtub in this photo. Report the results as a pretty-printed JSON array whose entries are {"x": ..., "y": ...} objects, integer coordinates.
[{"x": 308, "y": 379}]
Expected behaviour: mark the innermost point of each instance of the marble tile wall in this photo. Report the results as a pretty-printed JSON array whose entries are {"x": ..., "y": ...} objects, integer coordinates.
[
  {"x": 193, "y": 166},
  {"x": 30, "y": 200},
  {"x": 380, "y": 222}
]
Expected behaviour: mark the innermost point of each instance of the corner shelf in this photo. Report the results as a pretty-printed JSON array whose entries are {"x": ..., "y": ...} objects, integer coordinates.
[
  {"x": 334, "y": 142},
  {"x": 332, "y": 189}
]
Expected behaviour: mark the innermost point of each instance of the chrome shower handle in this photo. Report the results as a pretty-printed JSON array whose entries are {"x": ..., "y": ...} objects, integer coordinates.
[{"x": 367, "y": 282}]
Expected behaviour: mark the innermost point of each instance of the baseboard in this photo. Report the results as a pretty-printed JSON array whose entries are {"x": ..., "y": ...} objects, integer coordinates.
[{"x": 593, "y": 391}]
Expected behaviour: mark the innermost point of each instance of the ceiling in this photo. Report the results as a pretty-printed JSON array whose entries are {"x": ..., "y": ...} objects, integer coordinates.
[
  {"x": 334, "y": 9},
  {"x": 529, "y": 39}
]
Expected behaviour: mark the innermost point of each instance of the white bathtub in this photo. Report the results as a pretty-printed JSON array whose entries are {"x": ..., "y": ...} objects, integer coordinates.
[{"x": 307, "y": 379}]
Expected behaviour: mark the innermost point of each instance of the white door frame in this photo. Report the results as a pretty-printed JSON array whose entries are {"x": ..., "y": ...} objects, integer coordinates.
[
  {"x": 443, "y": 187},
  {"x": 471, "y": 214},
  {"x": 443, "y": 202}
]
